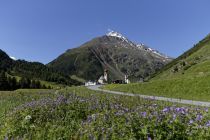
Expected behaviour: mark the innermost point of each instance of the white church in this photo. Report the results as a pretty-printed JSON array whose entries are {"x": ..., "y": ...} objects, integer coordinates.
[{"x": 104, "y": 78}]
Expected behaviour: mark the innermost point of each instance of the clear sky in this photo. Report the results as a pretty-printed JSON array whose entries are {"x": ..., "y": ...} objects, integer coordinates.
[{"x": 40, "y": 30}]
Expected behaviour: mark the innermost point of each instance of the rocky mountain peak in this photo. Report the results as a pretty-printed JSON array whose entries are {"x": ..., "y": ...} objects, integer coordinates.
[
  {"x": 139, "y": 46},
  {"x": 116, "y": 34}
]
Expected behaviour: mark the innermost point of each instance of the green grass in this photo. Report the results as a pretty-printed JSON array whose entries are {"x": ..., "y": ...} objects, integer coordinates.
[
  {"x": 53, "y": 85},
  {"x": 199, "y": 53},
  {"x": 188, "y": 88},
  {"x": 11, "y": 99},
  {"x": 80, "y": 113},
  {"x": 74, "y": 77}
]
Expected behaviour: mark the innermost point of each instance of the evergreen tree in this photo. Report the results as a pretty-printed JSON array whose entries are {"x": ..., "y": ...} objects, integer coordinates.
[
  {"x": 12, "y": 83},
  {"x": 3, "y": 82},
  {"x": 44, "y": 87},
  {"x": 24, "y": 83},
  {"x": 28, "y": 83},
  {"x": 38, "y": 84},
  {"x": 33, "y": 84}
]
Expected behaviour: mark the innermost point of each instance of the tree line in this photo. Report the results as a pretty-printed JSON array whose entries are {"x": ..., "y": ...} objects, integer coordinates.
[
  {"x": 11, "y": 83},
  {"x": 38, "y": 70},
  {"x": 33, "y": 70}
]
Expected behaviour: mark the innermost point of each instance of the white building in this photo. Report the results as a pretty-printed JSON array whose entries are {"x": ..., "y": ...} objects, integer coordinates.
[
  {"x": 90, "y": 83},
  {"x": 127, "y": 81},
  {"x": 104, "y": 78},
  {"x": 106, "y": 75},
  {"x": 101, "y": 80}
]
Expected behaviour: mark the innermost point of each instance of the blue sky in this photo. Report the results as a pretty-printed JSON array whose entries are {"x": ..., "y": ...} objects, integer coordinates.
[{"x": 40, "y": 30}]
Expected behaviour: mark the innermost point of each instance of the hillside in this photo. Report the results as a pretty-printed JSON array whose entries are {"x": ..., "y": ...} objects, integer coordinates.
[
  {"x": 5, "y": 61},
  {"x": 186, "y": 77},
  {"x": 193, "y": 63},
  {"x": 113, "y": 52},
  {"x": 32, "y": 70}
]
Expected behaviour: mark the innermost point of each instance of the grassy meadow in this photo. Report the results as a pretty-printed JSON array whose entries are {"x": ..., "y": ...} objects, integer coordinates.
[
  {"x": 190, "y": 88},
  {"x": 79, "y": 113},
  {"x": 11, "y": 99}
]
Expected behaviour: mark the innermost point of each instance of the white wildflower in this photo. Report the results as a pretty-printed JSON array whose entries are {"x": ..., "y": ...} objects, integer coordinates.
[{"x": 28, "y": 117}]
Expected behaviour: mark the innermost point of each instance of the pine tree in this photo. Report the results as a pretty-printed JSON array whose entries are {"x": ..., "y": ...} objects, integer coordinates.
[
  {"x": 3, "y": 82},
  {"x": 14, "y": 83},
  {"x": 38, "y": 84},
  {"x": 33, "y": 84},
  {"x": 24, "y": 83},
  {"x": 28, "y": 83},
  {"x": 44, "y": 87}
]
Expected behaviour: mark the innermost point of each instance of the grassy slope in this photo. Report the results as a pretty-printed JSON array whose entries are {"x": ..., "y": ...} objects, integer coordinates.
[
  {"x": 193, "y": 89},
  {"x": 200, "y": 51},
  {"x": 191, "y": 81},
  {"x": 74, "y": 77}
]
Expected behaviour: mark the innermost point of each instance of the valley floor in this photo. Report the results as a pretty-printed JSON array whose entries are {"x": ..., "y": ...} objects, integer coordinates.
[{"x": 80, "y": 113}]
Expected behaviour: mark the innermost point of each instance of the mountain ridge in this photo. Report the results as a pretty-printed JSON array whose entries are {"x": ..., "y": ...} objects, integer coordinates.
[{"x": 112, "y": 51}]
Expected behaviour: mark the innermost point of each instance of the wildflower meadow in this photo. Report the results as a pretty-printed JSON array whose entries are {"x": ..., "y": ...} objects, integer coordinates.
[{"x": 78, "y": 113}]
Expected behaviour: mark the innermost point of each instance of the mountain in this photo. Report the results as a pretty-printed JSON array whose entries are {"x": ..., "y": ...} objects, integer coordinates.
[
  {"x": 113, "y": 52},
  {"x": 194, "y": 63},
  {"x": 5, "y": 61},
  {"x": 186, "y": 77},
  {"x": 32, "y": 70}
]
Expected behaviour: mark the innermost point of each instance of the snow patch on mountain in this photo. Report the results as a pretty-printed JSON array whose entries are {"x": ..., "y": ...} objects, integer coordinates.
[
  {"x": 13, "y": 58},
  {"x": 158, "y": 53},
  {"x": 141, "y": 46},
  {"x": 116, "y": 34},
  {"x": 120, "y": 36}
]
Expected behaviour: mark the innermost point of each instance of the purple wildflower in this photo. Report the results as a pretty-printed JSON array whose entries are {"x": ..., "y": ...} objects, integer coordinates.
[
  {"x": 165, "y": 110},
  {"x": 199, "y": 117},
  {"x": 208, "y": 124},
  {"x": 144, "y": 114},
  {"x": 178, "y": 109},
  {"x": 174, "y": 116},
  {"x": 191, "y": 122}
]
